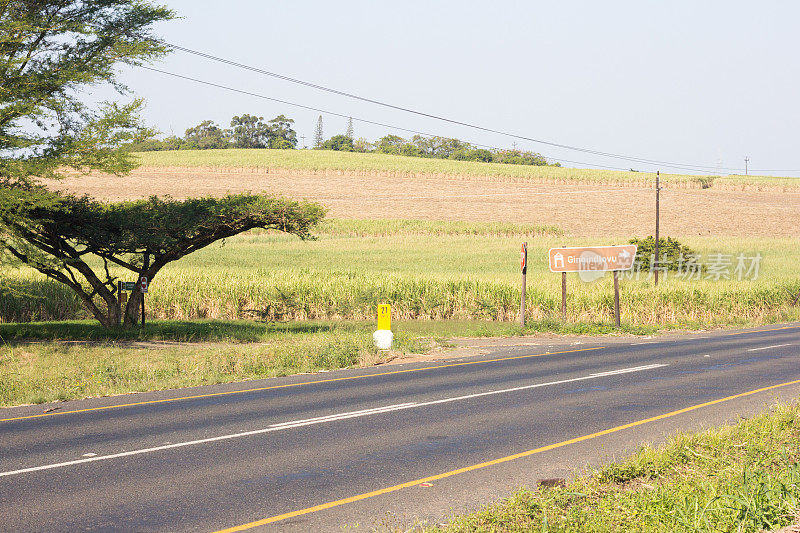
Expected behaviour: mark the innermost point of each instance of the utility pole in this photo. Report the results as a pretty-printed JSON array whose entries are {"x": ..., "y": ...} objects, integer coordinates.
[
  {"x": 524, "y": 265},
  {"x": 514, "y": 144},
  {"x": 746, "y": 160},
  {"x": 654, "y": 266},
  {"x": 303, "y": 138}
]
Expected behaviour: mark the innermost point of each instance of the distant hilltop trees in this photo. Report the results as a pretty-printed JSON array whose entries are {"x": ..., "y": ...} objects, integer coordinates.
[
  {"x": 447, "y": 148},
  {"x": 248, "y": 131}
]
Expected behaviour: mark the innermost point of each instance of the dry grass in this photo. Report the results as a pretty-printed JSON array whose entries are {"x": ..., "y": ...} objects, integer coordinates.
[{"x": 598, "y": 209}]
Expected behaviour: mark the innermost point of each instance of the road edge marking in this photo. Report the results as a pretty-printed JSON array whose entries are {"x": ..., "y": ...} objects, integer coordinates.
[
  {"x": 407, "y": 484},
  {"x": 227, "y": 393},
  {"x": 333, "y": 417},
  {"x": 287, "y": 385}
]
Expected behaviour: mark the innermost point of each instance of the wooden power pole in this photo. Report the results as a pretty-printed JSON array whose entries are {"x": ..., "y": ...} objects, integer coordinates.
[
  {"x": 524, "y": 265},
  {"x": 654, "y": 266}
]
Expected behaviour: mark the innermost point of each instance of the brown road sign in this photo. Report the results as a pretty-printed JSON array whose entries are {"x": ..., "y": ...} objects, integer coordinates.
[{"x": 592, "y": 258}]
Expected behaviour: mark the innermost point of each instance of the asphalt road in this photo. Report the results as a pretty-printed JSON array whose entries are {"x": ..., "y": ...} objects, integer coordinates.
[{"x": 377, "y": 447}]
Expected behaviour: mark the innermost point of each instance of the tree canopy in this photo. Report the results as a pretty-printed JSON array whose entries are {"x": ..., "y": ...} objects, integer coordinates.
[
  {"x": 248, "y": 131},
  {"x": 205, "y": 136},
  {"x": 282, "y": 135},
  {"x": 59, "y": 234},
  {"x": 341, "y": 143},
  {"x": 51, "y": 51}
]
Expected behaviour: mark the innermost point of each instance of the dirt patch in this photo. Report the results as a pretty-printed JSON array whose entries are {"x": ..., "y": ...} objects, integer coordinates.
[{"x": 580, "y": 209}]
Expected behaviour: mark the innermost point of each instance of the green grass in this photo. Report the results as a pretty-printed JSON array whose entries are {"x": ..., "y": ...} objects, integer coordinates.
[
  {"x": 463, "y": 272},
  {"x": 248, "y": 331},
  {"x": 384, "y": 164},
  {"x": 47, "y": 361},
  {"x": 743, "y": 478},
  {"x": 43, "y": 362}
]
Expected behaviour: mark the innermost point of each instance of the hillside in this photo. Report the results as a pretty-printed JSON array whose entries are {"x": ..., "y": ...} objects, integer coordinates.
[
  {"x": 376, "y": 186},
  {"x": 325, "y": 161}
]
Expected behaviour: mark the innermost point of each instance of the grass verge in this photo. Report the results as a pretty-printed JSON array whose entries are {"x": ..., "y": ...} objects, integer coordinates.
[
  {"x": 49, "y": 361},
  {"x": 743, "y": 478}
]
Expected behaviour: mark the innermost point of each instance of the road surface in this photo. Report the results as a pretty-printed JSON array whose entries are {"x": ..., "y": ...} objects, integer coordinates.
[{"x": 376, "y": 447}]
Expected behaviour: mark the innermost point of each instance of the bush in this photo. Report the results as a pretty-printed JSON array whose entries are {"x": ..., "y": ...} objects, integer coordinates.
[
  {"x": 519, "y": 157},
  {"x": 669, "y": 251},
  {"x": 341, "y": 143},
  {"x": 281, "y": 144}
]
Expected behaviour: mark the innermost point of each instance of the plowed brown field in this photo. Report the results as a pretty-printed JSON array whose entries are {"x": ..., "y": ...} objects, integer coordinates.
[{"x": 590, "y": 209}]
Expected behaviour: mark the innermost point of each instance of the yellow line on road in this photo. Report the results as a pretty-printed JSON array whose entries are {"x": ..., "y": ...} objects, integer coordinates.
[
  {"x": 228, "y": 393},
  {"x": 506, "y": 459}
]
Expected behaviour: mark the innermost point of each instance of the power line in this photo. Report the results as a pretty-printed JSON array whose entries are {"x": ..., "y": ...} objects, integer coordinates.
[
  {"x": 342, "y": 115},
  {"x": 368, "y": 121},
  {"x": 681, "y": 166}
]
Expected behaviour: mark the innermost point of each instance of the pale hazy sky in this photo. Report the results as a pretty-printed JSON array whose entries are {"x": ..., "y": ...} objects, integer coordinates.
[{"x": 693, "y": 82}]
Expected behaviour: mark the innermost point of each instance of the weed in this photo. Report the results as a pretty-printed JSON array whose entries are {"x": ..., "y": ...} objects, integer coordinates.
[{"x": 737, "y": 478}]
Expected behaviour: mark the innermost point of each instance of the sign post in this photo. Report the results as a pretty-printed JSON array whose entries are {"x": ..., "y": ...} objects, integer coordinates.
[
  {"x": 143, "y": 281},
  {"x": 143, "y": 290},
  {"x": 524, "y": 266},
  {"x": 616, "y": 298},
  {"x": 564, "y": 295},
  {"x": 591, "y": 262}
]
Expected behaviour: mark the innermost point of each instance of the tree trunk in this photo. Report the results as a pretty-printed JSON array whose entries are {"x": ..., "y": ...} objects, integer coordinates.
[
  {"x": 131, "y": 315},
  {"x": 112, "y": 317},
  {"x": 109, "y": 319}
]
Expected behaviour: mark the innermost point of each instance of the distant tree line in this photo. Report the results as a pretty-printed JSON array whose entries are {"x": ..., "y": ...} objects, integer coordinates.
[
  {"x": 421, "y": 146},
  {"x": 248, "y": 131},
  {"x": 432, "y": 147}
]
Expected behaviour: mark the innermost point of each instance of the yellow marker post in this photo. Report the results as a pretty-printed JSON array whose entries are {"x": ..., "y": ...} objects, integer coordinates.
[
  {"x": 383, "y": 337},
  {"x": 384, "y": 316}
]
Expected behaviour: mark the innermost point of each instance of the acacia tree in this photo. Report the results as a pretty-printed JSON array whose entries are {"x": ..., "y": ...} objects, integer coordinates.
[
  {"x": 50, "y": 51},
  {"x": 59, "y": 235}
]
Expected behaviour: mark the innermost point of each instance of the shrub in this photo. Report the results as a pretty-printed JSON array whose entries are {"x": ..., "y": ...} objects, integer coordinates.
[
  {"x": 670, "y": 252},
  {"x": 341, "y": 143}
]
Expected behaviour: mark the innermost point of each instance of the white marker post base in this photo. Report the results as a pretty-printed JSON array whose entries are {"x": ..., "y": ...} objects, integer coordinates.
[{"x": 383, "y": 339}]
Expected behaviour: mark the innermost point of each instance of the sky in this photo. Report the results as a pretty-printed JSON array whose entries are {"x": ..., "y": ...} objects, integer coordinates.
[{"x": 703, "y": 84}]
